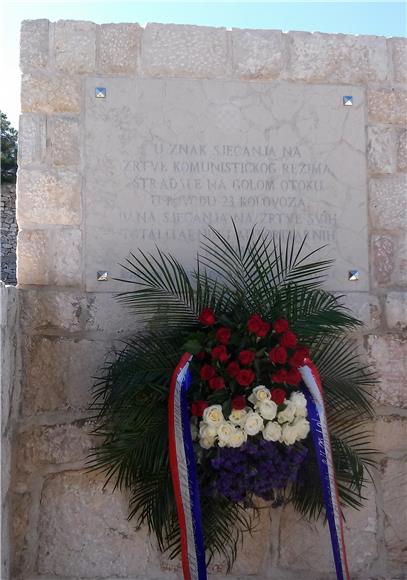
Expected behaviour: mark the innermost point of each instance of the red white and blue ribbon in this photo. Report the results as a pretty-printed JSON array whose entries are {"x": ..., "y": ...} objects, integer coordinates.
[
  {"x": 320, "y": 435},
  {"x": 183, "y": 472}
]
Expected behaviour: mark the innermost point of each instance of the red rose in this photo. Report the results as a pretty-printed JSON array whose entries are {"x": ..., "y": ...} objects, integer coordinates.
[
  {"x": 198, "y": 407},
  {"x": 207, "y": 372},
  {"x": 246, "y": 357},
  {"x": 298, "y": 357},
  {"x": 254, "y": 323},
  {"x": 293, "y": 378},
  {"x": 201, "y": 355},
  {"x": 245, "y": 377},
  {"x": 263, "y": 330},
  {"x": 207, "y": 317},
  {"x": 278, "y": 396},
  {"x": 239, "y": 402},
  {"x": 278, "y": 355},
  {"x": 223, "y": 335},
  {"x": 289, "y": 339},
  {"x": 220, "y": 353},
  {"x": 280, "y": 376},
  {"x": 232, "y": 369},
  {"x": 216, "y": 383},
  {"x": 280, "y": 325}
]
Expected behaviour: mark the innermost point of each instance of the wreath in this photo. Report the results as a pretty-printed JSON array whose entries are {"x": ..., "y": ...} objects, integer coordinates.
[{"x": 249, "y": 315}]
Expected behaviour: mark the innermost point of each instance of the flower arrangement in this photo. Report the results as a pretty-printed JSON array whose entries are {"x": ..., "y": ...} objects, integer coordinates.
[{"x": 249, "y": 315}]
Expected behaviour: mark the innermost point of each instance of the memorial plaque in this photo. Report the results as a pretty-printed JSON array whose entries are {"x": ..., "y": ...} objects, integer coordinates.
[{"x": 164, "y": 159}]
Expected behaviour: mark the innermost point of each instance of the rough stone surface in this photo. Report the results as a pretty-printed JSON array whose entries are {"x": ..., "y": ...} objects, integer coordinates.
[
  {"x": 381, "y": 150},
  {"x": 119, "y": 48},
  {"x": 388, "y": 355},
  {"x": 49, "y": 257},
  {"x": 48, "y": 311},
  {"x": 34, "y": 44},
  {"x": 48, "y": 93},
  {"x": 8, "y": 230},
  {"x": 337, "y": 58},
  {"x": 107, "y": 317},
  {"x": 21, "y": 504},
  {"x": 390, "y": 435},
  {"x": 399, "y": 54},
  {"x": 402, "y": 150},
  {"x": 48, "y": 197},
  {"x": 384, "y": 258},
  {"x": 107, "y": 544},
  {"x": 183, "y": 50},
  {"x": 63, "y": 139},
  {"x": 394, "y": 485},
  {"x": 388, "y": 202},
  {"x": 365, "y": 307},
  {"x": 59, "y": 375},
  {"x": 396, "y": 310},
  {"x": 31, "y": 139},
  {"x": 387, "y": 106},
  {"x": 258, "y": 54},
  {"x": 75, "y": 46}
]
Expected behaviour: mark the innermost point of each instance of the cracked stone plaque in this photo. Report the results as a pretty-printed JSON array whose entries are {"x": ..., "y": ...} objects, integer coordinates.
[{"x": 167, "y": 158}]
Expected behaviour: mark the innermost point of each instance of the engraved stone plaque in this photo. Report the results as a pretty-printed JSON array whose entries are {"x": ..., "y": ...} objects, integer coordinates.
[{"x": 164, "y": 159}]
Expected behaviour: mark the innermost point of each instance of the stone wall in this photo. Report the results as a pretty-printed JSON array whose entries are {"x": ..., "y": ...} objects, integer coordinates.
[
  {"x": 8, "y": 232},
  {"x": 65, "y": 525}
]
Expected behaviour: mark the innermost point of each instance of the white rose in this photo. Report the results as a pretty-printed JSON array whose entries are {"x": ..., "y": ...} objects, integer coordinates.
[
  {"x": 300, "y": 403},
  {"x": 238, "y": 416},
  {"x": 254, "y": 423},
  {"x": 288, "y": 414},
  {"x": 207, "y": 442},
  {"x": 213, "y": 415},
  {"x": 267, "y": 409},
  {"x": 259, "y": 394},
  {"x": 207, "y": 431},
  {"x": 238, "y": 438},
  {"x": 225, "y": 431},
  {"x": 302, "y": 427},
  {"x": 289, "y": 434},
  {"x": 272, "y": 431}
]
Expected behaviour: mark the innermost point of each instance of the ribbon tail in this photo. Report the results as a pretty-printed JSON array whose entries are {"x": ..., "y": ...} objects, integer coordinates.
[
  {"x": 183, "y": 473},
  {"x": 320, "y": 436}
]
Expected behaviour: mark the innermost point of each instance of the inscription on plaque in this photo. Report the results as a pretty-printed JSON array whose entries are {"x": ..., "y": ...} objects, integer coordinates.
[{"x": 165, "y": 159}]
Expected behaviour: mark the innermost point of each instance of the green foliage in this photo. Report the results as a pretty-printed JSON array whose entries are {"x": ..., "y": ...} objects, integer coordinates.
[
  {"x": 8, "y": 150},
  {"x": 266, "y": 276}
]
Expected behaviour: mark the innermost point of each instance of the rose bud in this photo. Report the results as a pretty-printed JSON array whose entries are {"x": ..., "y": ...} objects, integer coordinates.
[
  {"x": 280, "y": 325},
  {"x": 198, "y": 407},
  {"x": 254, "y": 323},
  {"x": 289, "y": 339},
  {"x": 223, "y": 335},
  {"x": 293, "y": 378},
  {"x": 232, "y": 369},
  {"x": 207, "y": 372},
  {"x": 216, "y": 383},
  {"x": 263, "y": 330},
  {"x": 280, "y": 376},
  {"x": 239, "y": 402},
  {"x": 220, "y": 353},
  {"x": 246, "y": 357},
  {"x": 245, "y": 377},
  {"x": 278, "y": 355},
  {"x": 278, "y": 396},
  {"x": 207, "y": 317}
]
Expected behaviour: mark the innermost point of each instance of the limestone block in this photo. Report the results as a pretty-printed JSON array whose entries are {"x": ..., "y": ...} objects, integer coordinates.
[
  {"x": 182, "y": 50},
  {"x": 388, "y": 356},
  {"x": 337, "y": 58},
  {"x": 50, "y": 93},
  {"x": 75, "y": 46},
  {"x": 63, "y": 139},
  {"x": 402, "y": 150},
  {"x": 401, "y": 272},
  {"x": 388, "y": 202},
  {"x": 384, "y": 251},
  {"x": 31, "y": 139},
  {"x": 50, "y": 311},
  {"x": 381, "y": 149},
  {"x": 34, "y": 44},
  {"x": 258, "y": 54},
  {"x": 399, "y": 53},
  {"x": 49, "y": 197},
  {"x": 390, "y": 434},
  {"x": 83, "y": 530},
  {"x": 365, "y": 307},
  {"x": 119, "y": 47},
  {"x": 60, "y": 373},
  {"x": 20, "y": 525},
  {"x": 105, "y": 315},
  {"x": 49, "y": 257},
  {"x": 54, "y": 445},
  {"x": 387, "y": 106},
  {"x": 396, "y": 310},
  {"x": 306, "y": 546},
  {"x": 394, "y": 485}
]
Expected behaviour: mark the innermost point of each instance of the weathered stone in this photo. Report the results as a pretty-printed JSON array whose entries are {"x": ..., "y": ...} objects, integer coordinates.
[
  {"x": 402, "y": 150},
  {"x": 50, "y": 93},
  {"x": 258, "y": 54},
  {"x": 390, "y": 435},
  {"x": 387, "y": 106},
  {"x": 388, "y": 202},
  {"x": 381, "y": 150},
  {"x": 31, "y": 139},
  {"x": 49, "y": 257},
  {"x": 48, "y": 197},
  {"x": 84, "y": 531},
  {"x": 384, "y": 258},
  {"x": 119, "y": 47},
  {"x": 396, "y": 310},
  {"x": 394, "y": 485},
  {"x": 365, "y": 307},
  {"x": 63, "y": 140},
  {"x": 59, "y": 373},
  {"x": 50, "y": 311},
  {"x": 337, "y": 58},
  {"x": 75, "y": 46},
  {"x": 34, "y": 44},
  {"x": 399, "y": 53},
  {"x": 401, "y": 268},
  {"x": 183, "y": 50},
  {"x": 388, "y": 355},
  {"x": 20, "y": 525},
  {"x": 105, "y": 315}
]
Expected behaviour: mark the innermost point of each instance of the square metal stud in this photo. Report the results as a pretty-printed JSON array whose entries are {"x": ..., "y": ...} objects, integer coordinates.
[
  {"x": 347, "y": 101},
  {"x": 353, "y": 275},
  {"x": 102, "y": 276},
  {"x": 100, "y": 92}
]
